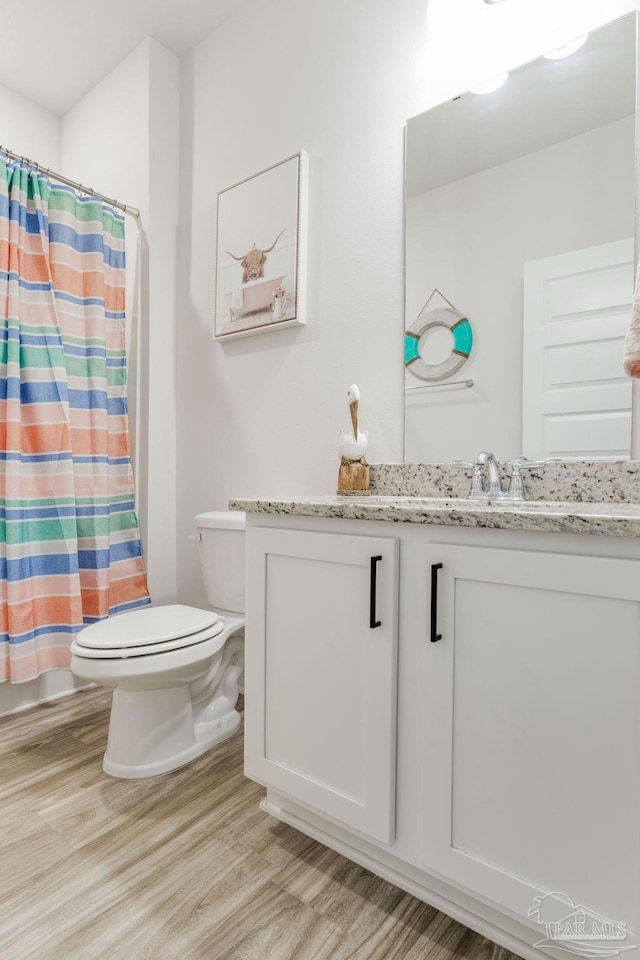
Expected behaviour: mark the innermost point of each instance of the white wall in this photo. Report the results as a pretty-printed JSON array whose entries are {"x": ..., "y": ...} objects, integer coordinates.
[
  {"x": 105, "y": 137},
  {"x": 260, "y": 416},
  {"x": 572, "y": 195},
  {"x": 29, "y": 129},
  {"x": 159, "y": 526},
  {"x": 123, "y": 139}
]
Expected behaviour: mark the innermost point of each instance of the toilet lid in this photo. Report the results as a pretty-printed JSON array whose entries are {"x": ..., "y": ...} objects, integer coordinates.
[
  {"x": 150, "y": 626},
  {"x": 152, "y": 649}
]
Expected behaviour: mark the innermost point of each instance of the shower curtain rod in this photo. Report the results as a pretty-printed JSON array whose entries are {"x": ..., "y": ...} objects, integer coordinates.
[{"x": 125, "y": 207}]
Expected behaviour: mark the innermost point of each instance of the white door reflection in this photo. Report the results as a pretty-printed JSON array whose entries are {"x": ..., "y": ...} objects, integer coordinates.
[{"x": 576, "y": 398}]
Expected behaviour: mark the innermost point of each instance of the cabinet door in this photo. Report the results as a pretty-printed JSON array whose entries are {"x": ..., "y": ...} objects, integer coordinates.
[
  {"x": 321, "y": 656},
  {"x": 530, "y": 738}
]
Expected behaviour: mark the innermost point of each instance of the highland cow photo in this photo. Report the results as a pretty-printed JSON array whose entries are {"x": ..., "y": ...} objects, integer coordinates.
[{"x": 260, "y": 251}]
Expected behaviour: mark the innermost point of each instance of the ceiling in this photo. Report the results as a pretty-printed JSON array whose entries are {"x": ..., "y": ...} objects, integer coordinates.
[{"x": 55, "y": 53}]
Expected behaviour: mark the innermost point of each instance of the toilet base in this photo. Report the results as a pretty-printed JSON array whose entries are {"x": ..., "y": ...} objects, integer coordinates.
[
  {"x": 203, "y": 737},
  {"x": 156, "y": 728}
]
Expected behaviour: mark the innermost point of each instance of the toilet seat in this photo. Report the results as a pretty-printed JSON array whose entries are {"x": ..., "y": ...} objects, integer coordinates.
[{"x": 146, "y": 631}]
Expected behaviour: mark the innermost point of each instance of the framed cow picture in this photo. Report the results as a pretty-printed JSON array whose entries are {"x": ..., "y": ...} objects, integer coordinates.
[{"x": 261, "y": 242}]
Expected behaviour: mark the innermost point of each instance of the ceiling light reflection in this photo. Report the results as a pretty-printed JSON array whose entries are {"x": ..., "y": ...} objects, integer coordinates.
[
  {"x": 490, "y": 86},
  {"x": 567, "y": 49}
]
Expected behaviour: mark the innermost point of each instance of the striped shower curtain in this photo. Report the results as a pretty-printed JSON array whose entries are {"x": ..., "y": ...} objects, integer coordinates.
[{"x": 70, "y": 550}]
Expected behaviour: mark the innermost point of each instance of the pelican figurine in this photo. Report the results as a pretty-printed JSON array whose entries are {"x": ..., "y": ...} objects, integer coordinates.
[{"x": 352, "y": 446}]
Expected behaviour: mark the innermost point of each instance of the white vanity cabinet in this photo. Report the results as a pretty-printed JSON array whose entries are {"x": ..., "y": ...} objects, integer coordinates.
[
  {"x": 321, "y": 653},
  {"x": 512, "y": 746},
  {"x": 530, "y": 728}
]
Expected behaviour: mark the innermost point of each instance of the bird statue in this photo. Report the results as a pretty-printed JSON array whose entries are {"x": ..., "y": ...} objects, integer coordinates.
[
  {"x": 353, "y": 476},
  {"x": 352, "y": 446}
]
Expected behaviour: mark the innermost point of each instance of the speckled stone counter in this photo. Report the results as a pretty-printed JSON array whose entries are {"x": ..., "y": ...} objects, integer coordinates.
[
  {"x": 564, "y": 496},
  {"x": 603, "y": 519}
]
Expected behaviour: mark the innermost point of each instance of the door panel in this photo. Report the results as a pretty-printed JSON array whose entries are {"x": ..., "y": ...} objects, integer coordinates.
[
  {"x": 576, "y": 398},
  {"x": 329, "y": 671},
  {"x": 531, "y": 785},
  {"x": 321, "y": 679}
]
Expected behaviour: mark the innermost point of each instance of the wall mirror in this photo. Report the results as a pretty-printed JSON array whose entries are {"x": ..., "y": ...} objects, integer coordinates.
[{"x": 520, "y": 224}]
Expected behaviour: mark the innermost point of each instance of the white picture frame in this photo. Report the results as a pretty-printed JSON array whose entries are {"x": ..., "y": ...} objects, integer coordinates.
[{"x": 261, "y": 251}]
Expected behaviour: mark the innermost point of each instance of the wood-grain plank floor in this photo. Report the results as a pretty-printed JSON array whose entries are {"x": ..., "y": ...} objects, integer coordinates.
[{"x": 182, "y": 867}]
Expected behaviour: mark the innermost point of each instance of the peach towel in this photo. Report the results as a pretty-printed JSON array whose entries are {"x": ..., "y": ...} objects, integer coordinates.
[{"x": 631, "y": 358}]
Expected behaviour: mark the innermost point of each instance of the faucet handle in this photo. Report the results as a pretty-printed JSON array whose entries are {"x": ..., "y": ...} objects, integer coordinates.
[
  {"x": 523, "y": 463},
  {"x": 516, "y": 487},
  {"x": 477, "y": 488}
]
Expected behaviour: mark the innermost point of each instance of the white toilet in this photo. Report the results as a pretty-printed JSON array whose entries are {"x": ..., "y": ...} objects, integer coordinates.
[{"x": 174, "y": 669}]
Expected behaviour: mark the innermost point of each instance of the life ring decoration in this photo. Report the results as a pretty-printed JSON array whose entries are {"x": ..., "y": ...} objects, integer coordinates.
[{"x": 462, "y": 333}]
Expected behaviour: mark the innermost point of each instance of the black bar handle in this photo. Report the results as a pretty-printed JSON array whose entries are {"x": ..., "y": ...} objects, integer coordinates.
[
  {"x": 435, "y": 636},
  {"x": 373, "y": 623}
]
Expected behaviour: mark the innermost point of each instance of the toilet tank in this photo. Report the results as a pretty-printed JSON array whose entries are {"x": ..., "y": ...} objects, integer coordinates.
[{"x": 221, "y": 545}]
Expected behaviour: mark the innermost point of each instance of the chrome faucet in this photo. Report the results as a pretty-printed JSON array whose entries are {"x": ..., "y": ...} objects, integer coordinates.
[{"x": 486, "y": 462}]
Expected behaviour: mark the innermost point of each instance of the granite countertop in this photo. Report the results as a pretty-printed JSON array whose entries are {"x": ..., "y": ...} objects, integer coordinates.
[{"x": 548, "y": 516}]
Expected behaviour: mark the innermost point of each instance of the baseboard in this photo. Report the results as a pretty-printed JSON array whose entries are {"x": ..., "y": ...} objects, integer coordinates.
[
  {"x": 39, "y": 701},
  {"x": 468, "y": 916}
]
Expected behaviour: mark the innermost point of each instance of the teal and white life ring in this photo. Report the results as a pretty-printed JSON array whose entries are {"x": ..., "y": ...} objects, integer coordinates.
[{"x": 459, "y": 326}]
